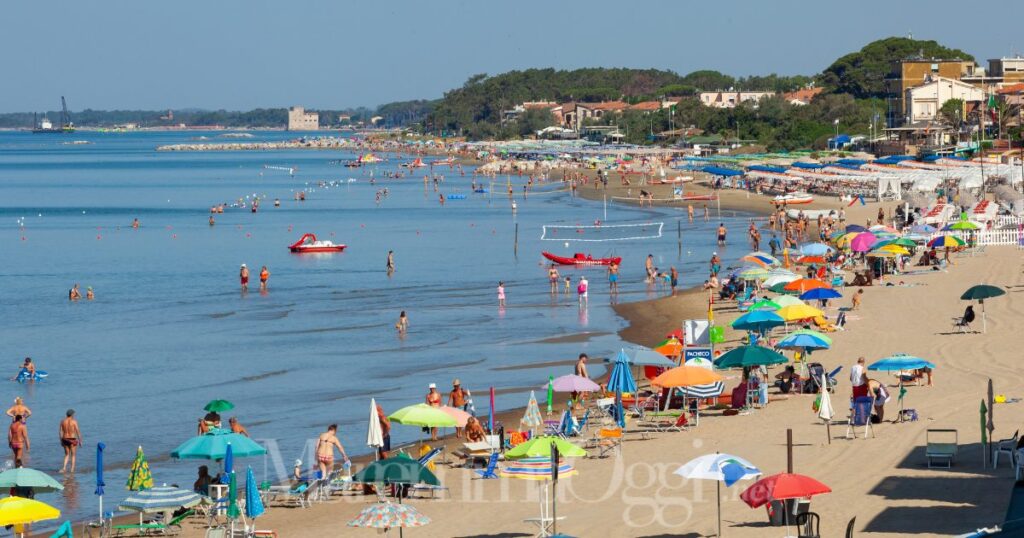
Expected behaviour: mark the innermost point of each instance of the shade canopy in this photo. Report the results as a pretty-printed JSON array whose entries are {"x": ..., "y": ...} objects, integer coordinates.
[
  {"x": 745, "y": 356},
  {"x": 764, "y": 304},
  {"x": 400, "y": 469},
  {"x": 23, "y": 477},
  {"x": 423, "y": 415},
  {"x": 160, "y": 499},
  {"x": 642, "y": 356},
  {"x": 541, "y": 446},
  {"x": 786, "y": 300},
  {"x": 538, "y": 468},
  {"x": 804, "y": 284},
  {"x": 21, "y": 511},
  {"x": 981, "y": 292},
  {"x": 803, "y": 341},
  {"x": 780, "y": 487},
  {"x": 214, "y": 446},
  {"x": 798, "y": 311},
  {"x": 389, "y": 515},
  {"x": 721, "y": 467},
  {"x": 573, "y": 383},
  {"x": 900, "y": 361},
  {"x": 686, "y": 376},
  {"x": 758, "y": 320},
  {"x": 946, "y": 241},
  {"x": 820, "y": 294}
]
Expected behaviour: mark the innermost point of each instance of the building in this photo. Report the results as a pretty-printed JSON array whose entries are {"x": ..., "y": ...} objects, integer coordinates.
[
  {"x": 730, "y": 98},
  {"x": 1008, "y": 70},
  {"x": 922, "y": 103},
  {"x": 913, "y": 72},
  {"x": 803, "y": 96},
  {"x": 652, "y": 106},
  {"x": 300, "y": 120}
]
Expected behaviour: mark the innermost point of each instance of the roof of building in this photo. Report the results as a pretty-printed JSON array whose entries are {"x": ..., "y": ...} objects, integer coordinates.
[
  {"x": 609, "y": 105},
  {"x": 1013, "y": 89},
  {"x": 646, "y": 106},
  {"x": 804, "y": 95}
]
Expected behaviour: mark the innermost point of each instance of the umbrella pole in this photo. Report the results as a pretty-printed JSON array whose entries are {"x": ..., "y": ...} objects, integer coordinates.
[{"x": 718, "y": 501}]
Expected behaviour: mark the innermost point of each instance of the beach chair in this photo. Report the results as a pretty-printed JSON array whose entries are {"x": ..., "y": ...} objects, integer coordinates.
[
  {"x": 941, "y": 447},
  {"x": 665, "y": 423},
  {"x": 298, "y": 495},
  {"x": 607, "y": 440},
  {"x": 833, "y": 380},
  {"x": 849, "y": 527},
  {"x": 961, "y": 324},
  {"x": 808, "y": 525},
  {"x": 488, "y": 472},
  {"x": 576, "y": 427},
  {"x": 170, "y": 528},
  {"x": 1008, "y": 447},
  {"x": 860, "y": 415},
  {"x": 824, "y": 325},
  {"x": 427, "y": 460},
  {"x": 216, "y": 532}
]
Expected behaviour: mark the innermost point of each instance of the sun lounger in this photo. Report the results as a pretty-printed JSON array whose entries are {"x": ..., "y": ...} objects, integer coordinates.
[
  {"x": 170, "y": 528},
  {"x": 488, "y": 472},
  {"x": 666, "y": 424},
  {"x": 824, "y": 325},
  {"x": 860, "y": 415},
  {"x": 940, "y": 447}
]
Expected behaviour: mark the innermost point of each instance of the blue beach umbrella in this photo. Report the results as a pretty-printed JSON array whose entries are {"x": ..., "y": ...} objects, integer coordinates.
[
  {"x": 820, "y": 294},
  {"x": 758, "y": 321},
  {"x": 900, "y": 361},
  {"x": 229, "y": 464},
  {"x": 804, "y": 342},
  {"x": 621, "y": 379},
  {"x": 855, "y": 228},
  {"x": 253, "y": 502},
  {"x": 815, "y": 249},
  {"x": 100, "y": 484}
]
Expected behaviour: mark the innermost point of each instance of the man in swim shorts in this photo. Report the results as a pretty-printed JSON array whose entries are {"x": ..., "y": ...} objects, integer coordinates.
[
  {"x": 243, "y": 276},
  {"x": 70, "y": 439},
  {"x": 721, "y": 234},
  {"x": 325, "y": 445},
  {"x": 613, "y": 277}
]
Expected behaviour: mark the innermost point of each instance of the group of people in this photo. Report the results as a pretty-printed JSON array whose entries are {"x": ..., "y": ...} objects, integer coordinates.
[
  {"x": 75, "y": 294},
  {"x": 243, "y": 276},
  {"x": 458, "y": 398},
  {"x": 69, "y": 433}
]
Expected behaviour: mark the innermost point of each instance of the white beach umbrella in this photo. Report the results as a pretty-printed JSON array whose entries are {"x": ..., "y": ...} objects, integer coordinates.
[
  {"x": 374, "y": 435},
  {"x": 825, "y": 411},
  {"x": 720, "y": 468}
]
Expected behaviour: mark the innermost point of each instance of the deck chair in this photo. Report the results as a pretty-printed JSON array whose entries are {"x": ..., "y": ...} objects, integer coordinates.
[
  {"x": 299, "y": 494},
  {"x": 941, "y": 447},
  {"x": 961, "y": 324},
  {"x": 427, "y": 460},
  {"x": 824, "y": 325},
  {"x": 575, "y": 427},
  {"x": 488, "y": 472},
  {"x": 556, "y": 428},
  {"x": 666, "y": 423},
  {"x": 216, "y": 532},
  {"x": 608, "y": 440},
  {"x": 808, "y": 524},
  {"x": 1008, "y": 447},
  {"x": 833, "y": 381},
  {"x": 170, "y": 528},
  {"x": 849, "y": 527},
  {"x": 860, "y": 415}
]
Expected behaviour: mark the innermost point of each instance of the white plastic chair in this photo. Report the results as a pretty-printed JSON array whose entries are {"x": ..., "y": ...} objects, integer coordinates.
[{"x": 1005, "y": 446}]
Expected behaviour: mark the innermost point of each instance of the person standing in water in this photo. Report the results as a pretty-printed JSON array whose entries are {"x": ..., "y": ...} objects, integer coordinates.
[
  {"x": 74, "y": 294},
  {"x": 403, "y": 323},
  {"x": 501, "y": 295},
  {"x": 264, "y": 276},
  {"x": 391, "y": 261},
  {"x": 243, "y": 276},
  {"x": 70, "y": 439},
  {"x": 581, "y": 290},
  {"x": 135, "y": 224},
  {"x": 553, "y": 279},
  {"x": 613, "y": 277},
  {"x": 89, "y": 295},
  {"x": 689, "y": 212},
  {"x": 721, "y": 234},
  {"x": 17, "y": 438}
]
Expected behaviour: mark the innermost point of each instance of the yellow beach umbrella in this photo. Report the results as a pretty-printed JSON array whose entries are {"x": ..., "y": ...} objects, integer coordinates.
[
  {"x": 21, "y": 511},
  {"x": 844, "y": 240},
  {"x": 798, "y": 311},
  {"x": 895, "y": 249}
]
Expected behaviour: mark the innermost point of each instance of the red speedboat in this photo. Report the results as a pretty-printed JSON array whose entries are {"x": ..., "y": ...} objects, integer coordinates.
[
  {"x": 581, "y": 259},
  {"x": 309, "y": 243}
]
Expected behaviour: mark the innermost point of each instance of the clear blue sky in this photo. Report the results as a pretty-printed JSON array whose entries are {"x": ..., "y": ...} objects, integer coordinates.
[{"x": 242, "y": 54}]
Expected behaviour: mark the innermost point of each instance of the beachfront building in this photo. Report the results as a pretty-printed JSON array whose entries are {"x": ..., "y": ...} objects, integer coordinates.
[
  {"x": 300, "y": 120},
  {"x": 1009, "y": 71},
  {"x": 731, "y": 98},
  {"x": 912, "y": 72},
  {"x": 652, "y": 106},
  {"x": 803, "y": 96},
  {"x": 923, "y": 102}
]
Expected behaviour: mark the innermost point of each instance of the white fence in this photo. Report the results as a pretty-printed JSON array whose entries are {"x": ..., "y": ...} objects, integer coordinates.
[{"x": 1005, "y": 236}]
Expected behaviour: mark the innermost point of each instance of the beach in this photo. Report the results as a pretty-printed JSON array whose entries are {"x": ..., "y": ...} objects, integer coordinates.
[{"x": 882, "y": 481}]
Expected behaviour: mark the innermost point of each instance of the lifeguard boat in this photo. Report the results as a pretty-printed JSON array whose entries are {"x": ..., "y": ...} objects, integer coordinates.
[
  {"x": 581, "y": 259},
  {"x": 309, "y": 243},
  {"x": 793, "y": 198}
]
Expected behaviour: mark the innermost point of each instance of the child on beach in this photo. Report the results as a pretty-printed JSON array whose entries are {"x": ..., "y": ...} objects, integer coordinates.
[
  {"x": 857, "y": 298},
  {"x": 568, "y": 285},
  {"x": 403, "y": 323},
  {"x": 501, "y": 295}
]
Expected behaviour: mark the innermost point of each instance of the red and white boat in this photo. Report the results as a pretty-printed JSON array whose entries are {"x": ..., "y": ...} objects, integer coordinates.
[
  {"x": 581, "y": 259},
  {"x": 697, "y": 197},
  {"x": 418, "y": 163},
  {"x": 309, "y": 243},
  {"x": 793, "y": 198}
]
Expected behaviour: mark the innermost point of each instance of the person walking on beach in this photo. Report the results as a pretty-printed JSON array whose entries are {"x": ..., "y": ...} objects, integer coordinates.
[
  {"x": 553, "y": 279},
  {"x": 70, "y": 439},
  {"x": 264, "y": 276},
  {"x": 385, "y": 433},
  {"x": 433, "y": 399},
  {"x": 243, "y": 276},
  {"x": 457, "y": 399},
  {"x": 17, "y": 438},
  {"x": 325, "y": 446},
  {"x": 613, "y": 277},
  {"x": 581, "y": 290},
  {"x": 390, "y": 267},
  {"x": 721, "y": 234},
  {"x": 856, "y": 299},
  {"x": 501, "y": 294}
]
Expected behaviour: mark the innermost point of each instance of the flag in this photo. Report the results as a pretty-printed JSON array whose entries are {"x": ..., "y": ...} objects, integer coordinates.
[{"x": 993, "y": 107}]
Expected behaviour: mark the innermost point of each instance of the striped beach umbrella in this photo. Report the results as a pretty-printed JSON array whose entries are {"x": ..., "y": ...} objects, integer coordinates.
[
  {"x": 706, "y": 390},
  {"x": 946, "y": 241},
  {"x": 388, "y": 516},
  {"x": 538, "y": 468},
  {"x": 541, "y": 447},
  {"x": 139, "y": 478},
  {"x": 531, "y": 418},
  {"x": 160, "y": 499},
  {"x": 752, "y": 272},
  {"x": 774, "y": 280}
]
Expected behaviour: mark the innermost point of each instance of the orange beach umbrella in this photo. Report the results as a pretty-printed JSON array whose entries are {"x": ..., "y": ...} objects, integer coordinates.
[{"x": 686, "y": 376}]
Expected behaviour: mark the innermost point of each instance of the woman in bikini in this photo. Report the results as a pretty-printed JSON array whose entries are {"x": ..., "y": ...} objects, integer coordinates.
[
  {"x": 17, "y": 438},
  {"x": 433, "y": 400},
  {"x": 19, "y": 408}
]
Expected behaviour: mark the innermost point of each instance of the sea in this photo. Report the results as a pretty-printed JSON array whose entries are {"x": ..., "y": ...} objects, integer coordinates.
[{"x": 170, "y": 330}]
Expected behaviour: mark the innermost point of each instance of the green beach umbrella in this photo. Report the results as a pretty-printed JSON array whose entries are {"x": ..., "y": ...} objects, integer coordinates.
[
  {"x": 765, "y": 304},
  {"x": 980, "y": 293},
  {"x": 780, "y": 288},
  {"x": 400, "y": 469},
  {"x": 745, "y": 356},
  {"x": 139, "y": 478},
  {"x": 787, "y": 300},
  {"x": 963, "y": 224},
  {"x": 423, "y": 415},
  {"x": 541, "y": 447},
  {"x": 233, "y": 511},
  {"x": 822, "y": 336},
  {"x": 551, "y": 393},
  {"x": 23, "y": 477},
  {"x": 219, "y": 406}
]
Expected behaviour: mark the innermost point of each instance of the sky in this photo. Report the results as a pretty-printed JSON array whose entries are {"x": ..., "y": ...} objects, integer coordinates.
[{"x": 333, "y": 54}]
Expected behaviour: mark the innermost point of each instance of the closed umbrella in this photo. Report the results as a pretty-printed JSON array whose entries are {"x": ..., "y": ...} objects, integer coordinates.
[
  {"x": 139, "y": 477},
  {"x": 991, "y": 410},
  {"x": 374, "y": 434},
  {"x": 551, "y": 393},
  {"x": 233, "y": 511},
  {"x": 229, "y": 464},
  {"x": 100, "y": 483},
  {"x": 746, "y": 356},
  {"x": 621, "y": 379},
  {"x": 825, "y": 411},
  {"x": 23, "y": 477},
  {"x": 253, "y": 502},
  {"x": 531, "y": 418},
  {"x": 980, "y": 293},
  {"x": 720, "y": 468}
]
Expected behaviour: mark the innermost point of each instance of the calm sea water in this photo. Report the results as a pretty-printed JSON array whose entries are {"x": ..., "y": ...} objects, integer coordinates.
[{"x": 170, "y": 330}]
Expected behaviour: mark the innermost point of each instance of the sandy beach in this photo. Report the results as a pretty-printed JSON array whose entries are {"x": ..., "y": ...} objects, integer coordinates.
[{"x": 882, "y": 481}]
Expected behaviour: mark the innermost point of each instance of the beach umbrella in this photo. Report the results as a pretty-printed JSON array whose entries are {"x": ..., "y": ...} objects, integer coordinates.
[
  {"x": 778, "y": 280},
  {"x": 815, "y": 249},
  {"x": 214, "y": 446},
  {"x": 160, "y": 499},
  {"x": 820, "y": 294},
  {"x": 946, "y": 241},
  {"x": 536, "y": 468},
  {"x": 551, "y": 393},
  {"x": 807, "y": 260},
  {"x": 898, "y": 363},
  {"x": 490, "y": 419},
  {"x": 863, "y": 242},
  {"x": 541, "y": 447},
  {"x": 745, "y": 356},
  {"x": 374, "y": 433},
  {"x": 399, "y": 469},
  {"x": 720, "y": 468},
  {"x": 531, "y": 418},
  {"x": 621, "y": 379},
  {"x": 820, "y": 336},
  {"x": 797, "y": 312},
  {"x": 903, "y": 242},
  {"x": 22, "y": 511},
  {"x": 388, "y": 516},
  {"x": 219, "y": 406},
  {"x": 671, "y": 347},
  {"x": 574, "y": 383},
  {"x": 139, "y": 478},
  {"x": 843, "y": 241},
  {"x": 229, "y": 463},
  {"x": 980, "y": 293},
  {"x": 761, "y": 258},
  {"x": 855, "y": 228},
  {"x": 233, "y": 511},
  {"x": 782, "y": 486},
  {"x": 786, "y": 300},
  {"x": 752, "y": 272},
  {"x": 23, "y": 477},
  {"x": 686, "y": 376},
  {"x": 962, "y": 224},
  {"x": 423, "y": 415},
  {"x": 804, "y": 284},
  {"x": 893, "y": 248},
  {"x": 461, "y": 417},
  {"x": 923, "y": 229},
  {"x": 806, "y": 343},
  {"x": 642, "y": 356},
  {"x": 759, "y": 321},
  {"x": 764, "y": 304},
  {"x": 984, "y": 433},
  {"x": 100, "y": 483},
  {"x": 705, "y": 390},
  {"x": 253, "y": 502},
  {"x": 883, "y": 228},
  {"x": 825, "y": 411}
]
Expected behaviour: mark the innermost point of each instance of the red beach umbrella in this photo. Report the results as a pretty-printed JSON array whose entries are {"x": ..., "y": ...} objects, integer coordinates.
[{"x": 782, "y": 486}]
